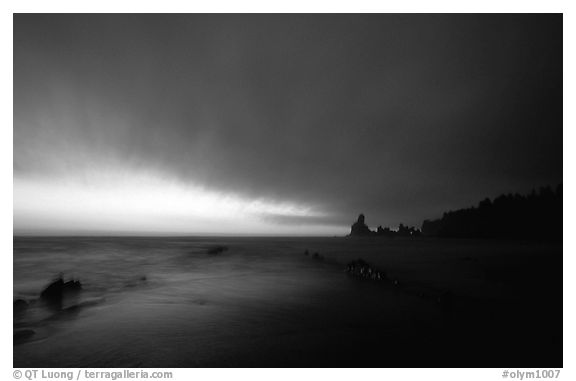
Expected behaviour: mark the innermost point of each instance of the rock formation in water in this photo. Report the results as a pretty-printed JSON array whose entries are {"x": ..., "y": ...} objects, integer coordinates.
[
  {"x": 359, "y": 228},
  {"x": 217, "y": 250},
  {"x": 58, "y": 289},
  {"x": 20, "y": 306},
  {"x": 363, "y": 270}
]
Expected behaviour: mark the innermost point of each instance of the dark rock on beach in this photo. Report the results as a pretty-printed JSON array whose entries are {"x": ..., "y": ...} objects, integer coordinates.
[
  {"x": 217, "y": 250},
  {"x": 362, "y": 270},
  {"x": 22, "y": 335},
  {"x": 56, "y": 290},
  {"x": 20, "y": 306}
]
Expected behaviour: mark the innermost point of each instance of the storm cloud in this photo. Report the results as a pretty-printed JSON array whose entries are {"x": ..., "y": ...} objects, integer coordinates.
[{"x": 315, "y": 117}]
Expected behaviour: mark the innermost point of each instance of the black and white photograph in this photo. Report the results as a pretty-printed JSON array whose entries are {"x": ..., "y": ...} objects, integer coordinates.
[{"x": 288, "y": 190}]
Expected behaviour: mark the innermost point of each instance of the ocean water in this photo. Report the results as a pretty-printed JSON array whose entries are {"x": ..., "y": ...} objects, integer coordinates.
[{"x": 261, "y": 302}]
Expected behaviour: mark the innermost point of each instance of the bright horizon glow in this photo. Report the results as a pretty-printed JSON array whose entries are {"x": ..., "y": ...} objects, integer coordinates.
[{"x": 143, "y": 202}]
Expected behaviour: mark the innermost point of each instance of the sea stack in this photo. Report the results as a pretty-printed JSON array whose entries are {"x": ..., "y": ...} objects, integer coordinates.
[
  {"x": 58, "y": 289},
  {"x": 359, "y": 228}
]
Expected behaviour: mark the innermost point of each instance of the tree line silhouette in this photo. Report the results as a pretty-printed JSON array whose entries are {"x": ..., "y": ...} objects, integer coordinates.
[{"x": 537, "y": 215}]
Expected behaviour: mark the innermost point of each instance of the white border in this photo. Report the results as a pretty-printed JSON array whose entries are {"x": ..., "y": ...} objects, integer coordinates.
[
  {"x": 357, "y": 6},
  {"x": 294, "y": 6}
]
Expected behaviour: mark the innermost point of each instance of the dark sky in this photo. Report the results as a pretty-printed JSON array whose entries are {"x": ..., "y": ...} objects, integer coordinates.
[{"x": 401, "y": 117}]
